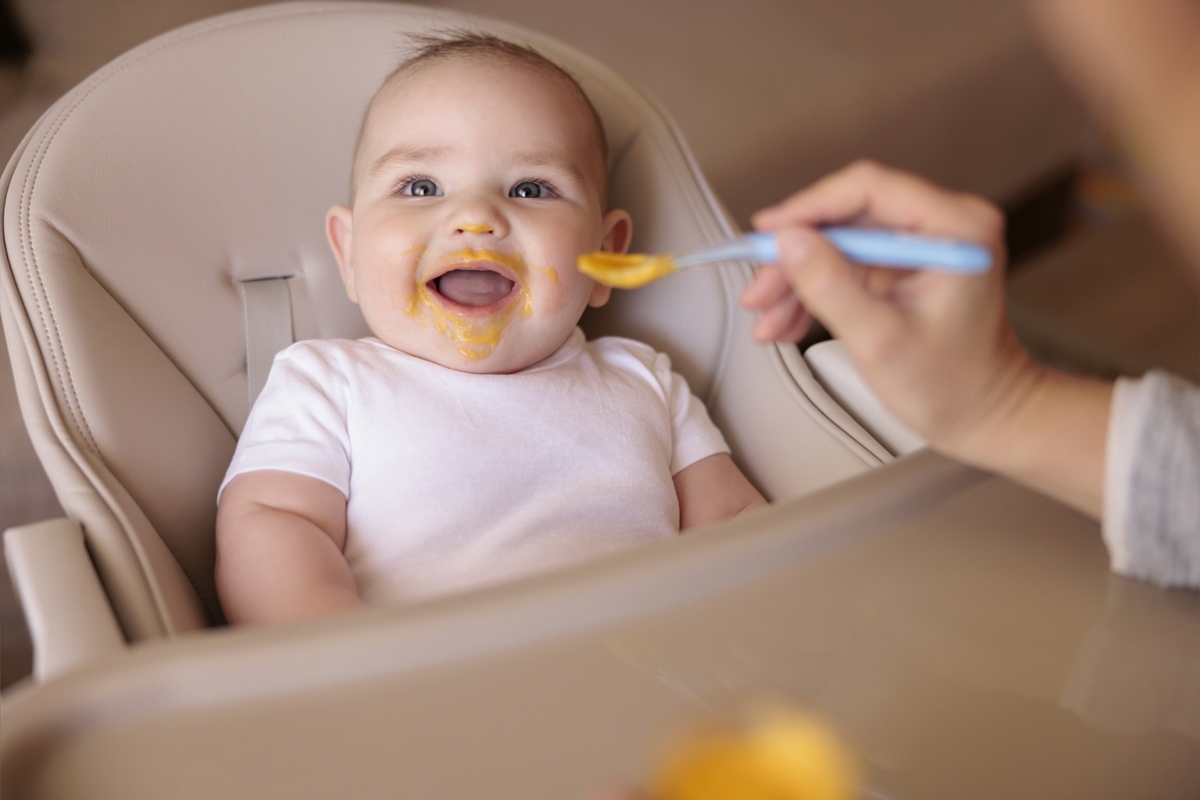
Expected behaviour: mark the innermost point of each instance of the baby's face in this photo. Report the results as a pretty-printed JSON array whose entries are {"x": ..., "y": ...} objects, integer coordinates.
[{"x": 479, "y": 185}]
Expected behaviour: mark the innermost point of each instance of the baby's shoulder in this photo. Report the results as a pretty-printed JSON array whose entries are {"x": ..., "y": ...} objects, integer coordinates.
[
  {"x": 621, "y": 346},
  {"x": 339, "y": 356},
  {"x": 618, "y": 350}
]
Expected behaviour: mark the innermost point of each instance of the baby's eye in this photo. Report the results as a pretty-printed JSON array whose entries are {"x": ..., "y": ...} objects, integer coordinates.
[
  {"x": 531, "y": 190},
  {"x": 420, "y": 187}
]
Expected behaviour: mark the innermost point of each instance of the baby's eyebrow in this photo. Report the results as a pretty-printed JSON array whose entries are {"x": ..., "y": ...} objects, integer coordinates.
[
  {"x": 405, "y": 155},
  {"x": 556, "y": 161}
]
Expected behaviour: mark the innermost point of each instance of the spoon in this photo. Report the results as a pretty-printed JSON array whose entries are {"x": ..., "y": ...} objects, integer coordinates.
[{"x": 880, "y": 248}]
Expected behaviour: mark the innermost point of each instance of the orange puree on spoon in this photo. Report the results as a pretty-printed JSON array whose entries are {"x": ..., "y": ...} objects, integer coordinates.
[{"x": 624, "y": 271}]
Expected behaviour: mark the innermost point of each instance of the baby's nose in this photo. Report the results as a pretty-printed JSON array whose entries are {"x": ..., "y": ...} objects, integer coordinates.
[{"x": 476, "y": 227}]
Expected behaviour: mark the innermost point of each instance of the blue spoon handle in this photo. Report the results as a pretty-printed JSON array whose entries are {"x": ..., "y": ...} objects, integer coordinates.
[{"x": 881, "y": 248}]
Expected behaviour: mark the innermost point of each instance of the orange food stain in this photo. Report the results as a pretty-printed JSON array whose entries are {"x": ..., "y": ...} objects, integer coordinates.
[{"x": 478, "y": 337}]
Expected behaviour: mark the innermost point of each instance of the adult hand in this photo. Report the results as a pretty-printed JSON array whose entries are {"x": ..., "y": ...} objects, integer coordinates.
[{"x": 936, "y": 347}]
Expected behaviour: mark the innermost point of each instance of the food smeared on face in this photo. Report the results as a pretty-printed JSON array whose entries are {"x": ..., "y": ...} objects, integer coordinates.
[{"x": 471, "y": 297}]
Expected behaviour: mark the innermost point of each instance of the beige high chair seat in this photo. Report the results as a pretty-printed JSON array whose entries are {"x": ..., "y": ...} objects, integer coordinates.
[{"x": 163, "y": 238}]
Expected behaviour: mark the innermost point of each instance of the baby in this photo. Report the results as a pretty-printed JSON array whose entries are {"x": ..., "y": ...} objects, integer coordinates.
[{"x": 478, "y": 436}]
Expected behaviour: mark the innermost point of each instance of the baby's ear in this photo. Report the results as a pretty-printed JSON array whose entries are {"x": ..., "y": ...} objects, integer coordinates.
[
  {"x": 340, "y": 232},
  {"x": 618, "y": 231}
]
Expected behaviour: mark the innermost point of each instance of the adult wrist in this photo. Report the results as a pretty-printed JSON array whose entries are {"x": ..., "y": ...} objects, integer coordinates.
[
  {"x": 996, "y": 413},
  {"x": 1050, "y": 436}
]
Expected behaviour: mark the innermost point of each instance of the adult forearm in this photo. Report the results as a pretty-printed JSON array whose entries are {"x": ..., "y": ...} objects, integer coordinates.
[{"x": 1052, "y": 440}]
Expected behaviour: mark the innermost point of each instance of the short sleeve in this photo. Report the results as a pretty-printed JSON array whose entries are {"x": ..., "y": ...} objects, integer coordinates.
[
  {"x": 298, "y": 422},
  {"x": 694, "y": 435}
]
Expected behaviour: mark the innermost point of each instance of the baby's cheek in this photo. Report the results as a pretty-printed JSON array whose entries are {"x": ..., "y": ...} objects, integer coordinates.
[
  {"x": 398, "y": 279},
  {"x": 546, "y": 298},
  {"x": 568, "y": 295},
  {"x": 400, "y": 291}
]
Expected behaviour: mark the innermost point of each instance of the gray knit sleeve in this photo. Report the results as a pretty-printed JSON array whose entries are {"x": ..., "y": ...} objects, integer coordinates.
[{"x": 1152, "y": 480}]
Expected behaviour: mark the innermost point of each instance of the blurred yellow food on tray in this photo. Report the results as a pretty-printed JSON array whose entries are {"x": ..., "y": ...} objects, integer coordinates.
[{"x": 776, "y": 755}]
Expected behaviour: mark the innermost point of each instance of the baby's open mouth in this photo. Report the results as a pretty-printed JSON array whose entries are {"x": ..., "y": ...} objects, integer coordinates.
[{"x": 473, "y": 288}]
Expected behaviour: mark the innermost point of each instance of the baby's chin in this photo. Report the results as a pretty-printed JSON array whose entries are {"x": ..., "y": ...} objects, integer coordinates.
[{"x": 512, "y": 353}]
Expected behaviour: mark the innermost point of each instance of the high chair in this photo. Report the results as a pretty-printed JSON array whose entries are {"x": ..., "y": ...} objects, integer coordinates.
[{"x": 162, "y": 241}]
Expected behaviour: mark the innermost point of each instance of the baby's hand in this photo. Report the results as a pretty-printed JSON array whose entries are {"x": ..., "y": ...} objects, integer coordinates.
[{"x": 936, "y": 347}]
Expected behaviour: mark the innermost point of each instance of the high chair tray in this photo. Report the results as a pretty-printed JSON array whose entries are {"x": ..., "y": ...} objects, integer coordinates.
[{"x": 964, "y": 634}]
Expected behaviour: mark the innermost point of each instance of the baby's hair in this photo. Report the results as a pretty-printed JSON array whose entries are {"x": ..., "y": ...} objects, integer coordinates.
[{"x": 429, "y": 48}]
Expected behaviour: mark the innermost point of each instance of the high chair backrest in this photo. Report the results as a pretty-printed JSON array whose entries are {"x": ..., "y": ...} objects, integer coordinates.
[{"x": 163, "y": 237}]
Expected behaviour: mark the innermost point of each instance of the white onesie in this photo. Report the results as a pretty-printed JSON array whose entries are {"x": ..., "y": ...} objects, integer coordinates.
[{"x": 455, "y": 480}]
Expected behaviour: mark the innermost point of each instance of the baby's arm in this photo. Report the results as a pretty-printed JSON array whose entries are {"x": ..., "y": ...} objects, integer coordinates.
[
  {"x": 280, "y": 538},
  {"x": 713, "y": 489}
]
